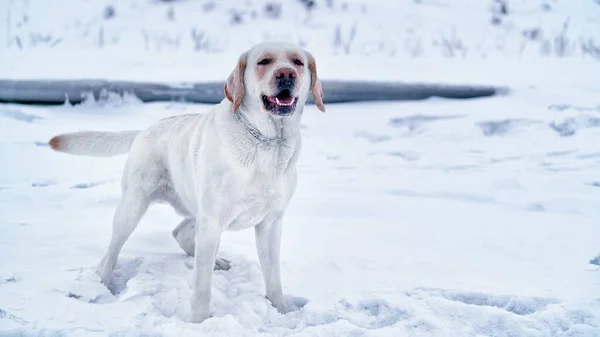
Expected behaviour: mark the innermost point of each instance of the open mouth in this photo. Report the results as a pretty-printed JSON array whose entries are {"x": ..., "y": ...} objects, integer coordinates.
[{"x": 282, "y": 104}]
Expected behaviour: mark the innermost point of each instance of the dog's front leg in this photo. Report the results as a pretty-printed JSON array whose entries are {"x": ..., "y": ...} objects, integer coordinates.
[
  {"x": 268, "y": 241},
  {"x": 208, "y": 236}
]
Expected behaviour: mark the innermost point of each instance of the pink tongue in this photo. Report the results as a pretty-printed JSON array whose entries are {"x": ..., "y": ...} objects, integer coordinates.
[{"x": 284, "y": 100}]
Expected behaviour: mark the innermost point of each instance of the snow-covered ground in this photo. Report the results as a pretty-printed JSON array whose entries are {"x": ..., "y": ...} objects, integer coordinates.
[{"x": 433, "y": 218}]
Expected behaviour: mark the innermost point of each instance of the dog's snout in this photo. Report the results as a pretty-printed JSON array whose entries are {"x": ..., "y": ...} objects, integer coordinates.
[
  {"x": 285, "y": 78},
  {"x": 285, "y": 73}
]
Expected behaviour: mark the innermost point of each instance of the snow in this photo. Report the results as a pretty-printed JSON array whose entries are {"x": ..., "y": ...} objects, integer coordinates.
[
  {"x": 441, "y": 217},
  {"x": 398, "y": 29},
  {"x": 432, "y": 218}
]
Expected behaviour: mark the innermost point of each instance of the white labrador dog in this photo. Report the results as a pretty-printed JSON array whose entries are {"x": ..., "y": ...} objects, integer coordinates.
[{"x": 231, "y": 168}]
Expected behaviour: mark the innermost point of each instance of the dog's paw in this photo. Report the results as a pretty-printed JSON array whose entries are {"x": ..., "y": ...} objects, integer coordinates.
[
  {"x": 104, "y": 274},
  {"x": 198, "y": 315},
  {"x": 222, "y": 264},
  {"x": 289, "y": 304},
  {"x": 295, "y": 303},
  {"x": 283, "y": 308}
]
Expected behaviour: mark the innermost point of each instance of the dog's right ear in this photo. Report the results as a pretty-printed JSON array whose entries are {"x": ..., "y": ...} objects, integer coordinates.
[
  {"x": 234, "y": 88},
  {"x": 316, "y": 88}
]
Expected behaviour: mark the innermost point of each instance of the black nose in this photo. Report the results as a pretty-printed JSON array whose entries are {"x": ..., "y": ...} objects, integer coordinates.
[
  {"x": 285, "y": 83},
  {"x": 285, "y": 73},
  {"x": 285, "y": 78}
]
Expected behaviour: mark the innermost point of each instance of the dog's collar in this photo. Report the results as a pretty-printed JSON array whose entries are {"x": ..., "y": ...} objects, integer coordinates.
[{"x": 257, "y": 135}]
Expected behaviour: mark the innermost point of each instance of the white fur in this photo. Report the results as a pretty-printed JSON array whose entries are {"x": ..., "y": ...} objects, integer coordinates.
[
  {"x": 100, "y": 144},
  {"x": 214, "y": 174}
]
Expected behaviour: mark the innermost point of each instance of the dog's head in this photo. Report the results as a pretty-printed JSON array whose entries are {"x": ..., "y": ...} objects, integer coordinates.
[{"x": 275, "y": 78}]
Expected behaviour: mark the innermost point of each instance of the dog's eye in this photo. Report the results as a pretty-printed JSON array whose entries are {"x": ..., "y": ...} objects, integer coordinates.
[
  {"x": 298, "y": 62},
  {"x": 264, "y": 62}
]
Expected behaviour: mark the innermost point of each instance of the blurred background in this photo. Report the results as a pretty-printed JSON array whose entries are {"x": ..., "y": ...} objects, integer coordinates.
[{"x": 400, "y": 29}]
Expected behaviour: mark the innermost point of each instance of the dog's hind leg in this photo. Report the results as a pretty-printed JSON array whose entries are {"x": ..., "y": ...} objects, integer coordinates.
[
  {"x": 134, "y": 203},
  {"x": 185, "y": 234}
]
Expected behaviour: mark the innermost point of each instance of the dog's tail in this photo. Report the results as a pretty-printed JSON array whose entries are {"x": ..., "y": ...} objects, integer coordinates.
[{"x": 93, "y": 143}]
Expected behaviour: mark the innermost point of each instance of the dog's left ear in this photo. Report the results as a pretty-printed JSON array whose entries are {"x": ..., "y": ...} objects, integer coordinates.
[
  {"x": 315, "y": 85},
  {"x": 234, "y": 88}
]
